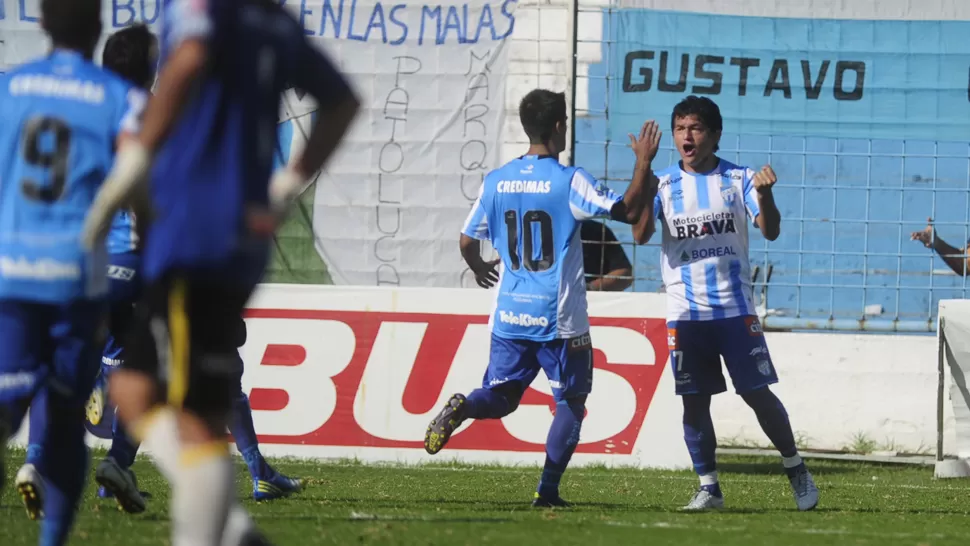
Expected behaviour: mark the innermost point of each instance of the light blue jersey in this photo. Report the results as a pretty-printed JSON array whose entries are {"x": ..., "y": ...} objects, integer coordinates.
[
  {"x": 122, "y": 237},
  {"x": 531, "y": 209},
  {"x": 62, "y": 116}
]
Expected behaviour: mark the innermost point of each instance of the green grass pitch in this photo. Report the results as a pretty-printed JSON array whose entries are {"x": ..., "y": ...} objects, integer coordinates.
[{"x": 348, "y": 503}]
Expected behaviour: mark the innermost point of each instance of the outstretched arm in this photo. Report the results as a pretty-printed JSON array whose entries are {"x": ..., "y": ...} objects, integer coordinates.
[{"x": 955, "y": 258}]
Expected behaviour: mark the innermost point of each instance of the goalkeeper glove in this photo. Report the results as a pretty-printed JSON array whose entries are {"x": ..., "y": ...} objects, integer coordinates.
[{"x": 284, "y": 187}]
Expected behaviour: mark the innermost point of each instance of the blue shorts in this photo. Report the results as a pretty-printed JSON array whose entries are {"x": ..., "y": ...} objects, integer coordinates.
[
  {"x": 568, "y": 363},
  {"x": 59, "y": 342},
  {"x": 696, "y": 348}
]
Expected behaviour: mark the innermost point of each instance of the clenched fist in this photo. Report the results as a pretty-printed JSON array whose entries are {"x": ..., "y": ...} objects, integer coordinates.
[{"x": 764, "y": 179}]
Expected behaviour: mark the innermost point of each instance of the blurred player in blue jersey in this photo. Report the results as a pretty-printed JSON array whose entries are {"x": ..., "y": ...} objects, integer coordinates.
[
  {"x": 62, "y": 119},
  {"x": 702, "y": 205},
  {"x": 206, "y": 149},
  {"x": 531, "y": 210},
  {"x": 132, "y": 54}
]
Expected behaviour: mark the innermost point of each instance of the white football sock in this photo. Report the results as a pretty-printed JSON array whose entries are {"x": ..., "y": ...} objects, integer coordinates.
[
  {"x": 201, "y": 495},
  {"x": 791, "y": 462},
  {"x": 162, "y": 440},
  {"x": 708, "y": 479}
]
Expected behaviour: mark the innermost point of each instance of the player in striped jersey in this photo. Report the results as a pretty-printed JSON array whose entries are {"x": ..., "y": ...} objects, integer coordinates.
[{"x": 702, "y": 203}]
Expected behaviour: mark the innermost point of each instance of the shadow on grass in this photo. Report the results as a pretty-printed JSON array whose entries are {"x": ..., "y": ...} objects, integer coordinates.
[{"x": 775, "y": 469}]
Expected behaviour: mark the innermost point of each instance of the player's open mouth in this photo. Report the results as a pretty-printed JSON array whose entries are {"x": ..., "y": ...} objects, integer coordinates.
[{"x": 689, "y": 150}]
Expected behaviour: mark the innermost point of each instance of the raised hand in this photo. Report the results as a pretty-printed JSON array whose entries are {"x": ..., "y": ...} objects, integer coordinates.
[{"x": 646, "y": 146}]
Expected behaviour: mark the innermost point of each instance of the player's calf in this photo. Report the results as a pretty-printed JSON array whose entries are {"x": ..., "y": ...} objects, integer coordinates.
[
  {"x": 560, "y": 445},
  {"x": 774, "y": 422}
]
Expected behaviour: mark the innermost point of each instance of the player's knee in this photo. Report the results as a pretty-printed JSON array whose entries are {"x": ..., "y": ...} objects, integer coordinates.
[
  {"x": 696, "y": 404},
  {"x": 512, "y": 392},
  {"x": 133, "y": 392},
  {"x": 759, "y": 398},
  {"x": 574, "y": 404}
]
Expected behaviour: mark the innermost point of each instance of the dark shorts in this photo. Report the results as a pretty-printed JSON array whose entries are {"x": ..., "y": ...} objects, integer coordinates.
[
  {"x": 696, "y": 349},
  {"x": 567, "y": 363},
  {"x": 186, "y": 333}
]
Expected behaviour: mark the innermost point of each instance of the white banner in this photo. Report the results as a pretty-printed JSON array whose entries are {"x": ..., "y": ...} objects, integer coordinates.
[
  {"x": 389, "y": 208},
  {"x": 432, "y": 83}
]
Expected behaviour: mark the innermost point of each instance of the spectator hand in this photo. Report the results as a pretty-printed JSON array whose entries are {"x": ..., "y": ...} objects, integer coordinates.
[{"x": 926, "y": 236}]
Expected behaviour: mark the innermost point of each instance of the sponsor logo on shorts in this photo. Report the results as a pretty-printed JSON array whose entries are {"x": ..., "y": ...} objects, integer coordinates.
[
  {"x": 18, "y": 380},
  {"x": 672, "y": 338},
  {"x": 580, "y": 343},
  {"x": 495, "y": 381},
  {"x": 754, "y": 326},
  {"x": 522, "y": 319},
  {"x": 760, "y": 350},
  {"x": 120, "y": 273},
  {"x": 683, "y": 378},
  {"x": 556, "y": 384},
  {"x": 113, "y": 362}
]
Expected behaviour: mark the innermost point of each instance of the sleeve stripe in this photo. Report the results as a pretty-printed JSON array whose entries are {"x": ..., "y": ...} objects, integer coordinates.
[
  {"x": 588, "y": 201},
  {"x": 476, "y": 225},
  {"x": 187, "y": 19}
]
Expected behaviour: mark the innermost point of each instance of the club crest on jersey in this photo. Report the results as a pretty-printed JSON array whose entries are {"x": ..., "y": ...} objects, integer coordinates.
[{"x": 729, "y": 194}]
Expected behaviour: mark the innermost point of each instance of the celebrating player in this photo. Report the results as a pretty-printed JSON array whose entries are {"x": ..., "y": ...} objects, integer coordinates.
[
  {"x": 530, "y": 209},
  {"x": 701, "y": 206},
  {"x": 62, "y": 117},
  {"x": 208, "y": 138}
]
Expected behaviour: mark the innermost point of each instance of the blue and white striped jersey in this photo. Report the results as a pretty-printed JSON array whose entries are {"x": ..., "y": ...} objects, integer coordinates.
[
  {"x": 704, "y": 254},
  {"x": 531, "y": 209}
]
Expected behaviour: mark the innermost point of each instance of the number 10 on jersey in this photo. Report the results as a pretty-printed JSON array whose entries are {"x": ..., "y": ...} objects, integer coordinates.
[{"x": 530, "y": 220}]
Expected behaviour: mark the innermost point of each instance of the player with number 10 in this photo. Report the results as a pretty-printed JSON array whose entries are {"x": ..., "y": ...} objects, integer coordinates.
[{"x": 530, "y": 210}]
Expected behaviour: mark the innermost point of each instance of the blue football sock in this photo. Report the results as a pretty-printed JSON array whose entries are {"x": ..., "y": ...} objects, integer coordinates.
[
  {"x": 123, "y": 448},
  {"x": 560, "y": 444},
  {"x": 774, "y": 420},
  {"x": 699, "y": 433},
  {"x": 244, "y": 433},
  {"x": 487, "y": 404},
  {"x": 35, "y": 426},
  {"x": 65, "y": 459}
]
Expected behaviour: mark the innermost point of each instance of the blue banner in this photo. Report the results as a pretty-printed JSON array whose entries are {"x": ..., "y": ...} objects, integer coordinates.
[{"x": 806, "y": 77}]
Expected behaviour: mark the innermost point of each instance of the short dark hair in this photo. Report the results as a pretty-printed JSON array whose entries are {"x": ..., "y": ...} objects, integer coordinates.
[
  {"x": 128, "y": 53},
  {"x": 704, "y": 108},
  {"x": 539, "y": 112},
  {"x": 75, "y": 24}
]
